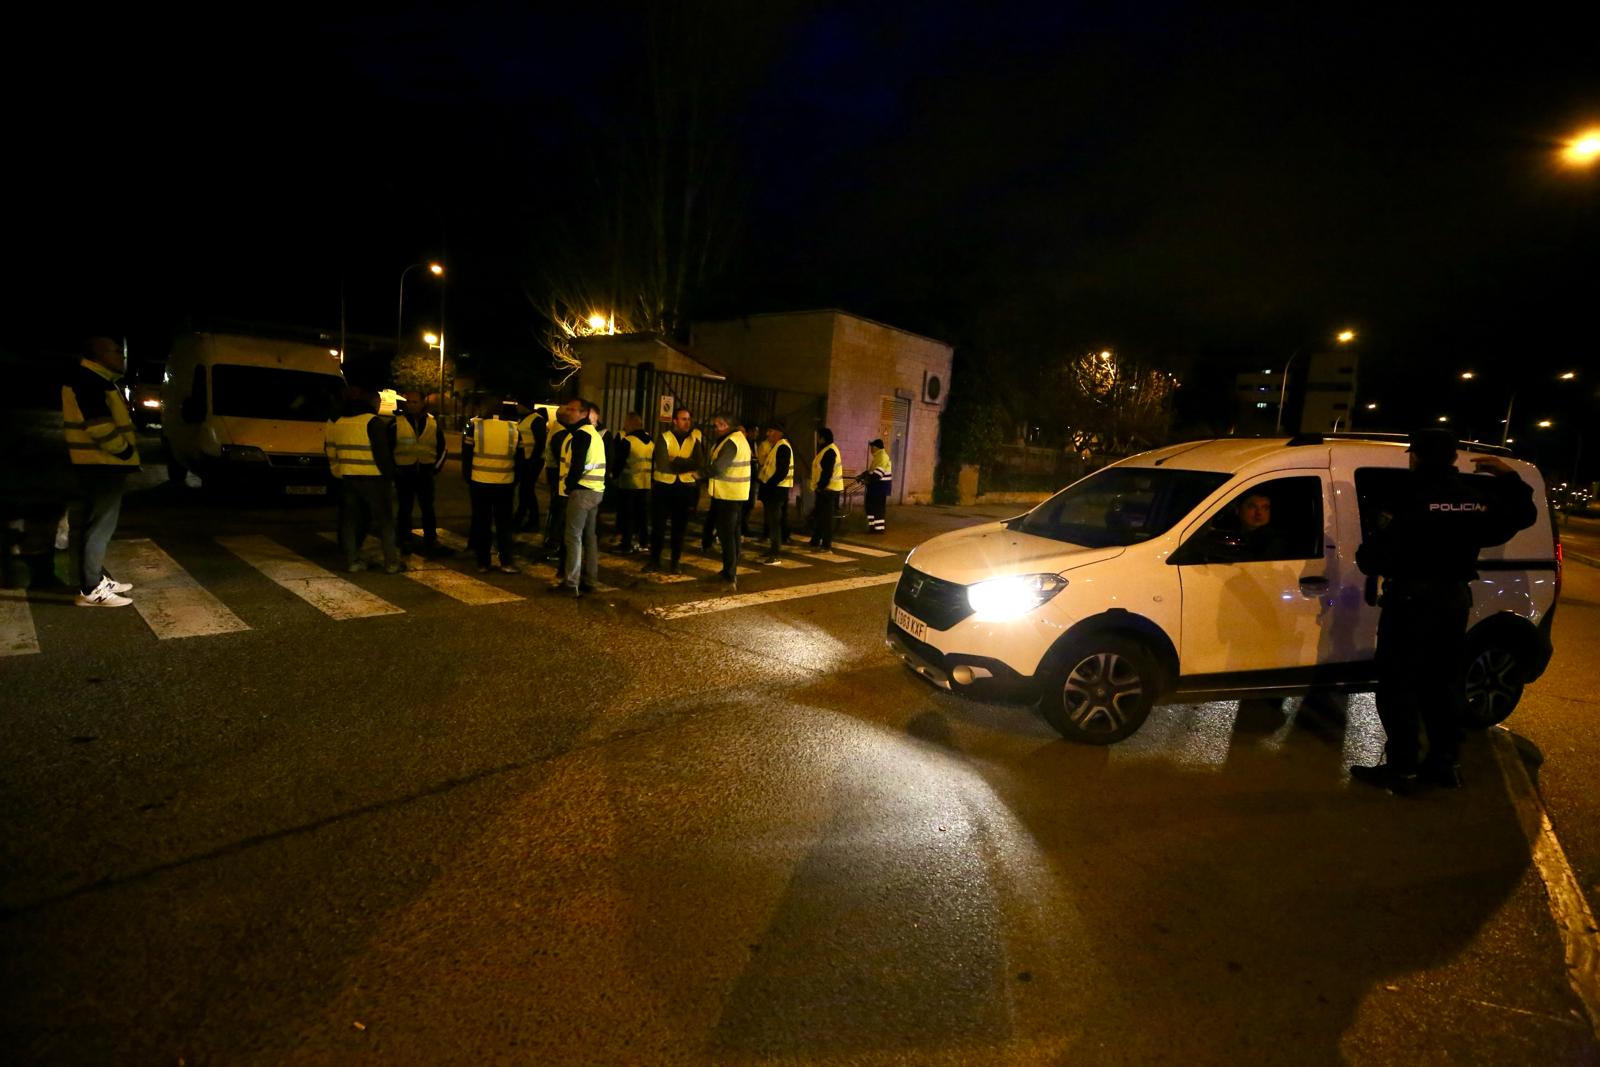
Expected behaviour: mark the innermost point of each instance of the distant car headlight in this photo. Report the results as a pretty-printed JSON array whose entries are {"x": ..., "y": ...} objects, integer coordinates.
[
  {"x": 1005, "y": 599},
  {"x": 149, "y": 403}
]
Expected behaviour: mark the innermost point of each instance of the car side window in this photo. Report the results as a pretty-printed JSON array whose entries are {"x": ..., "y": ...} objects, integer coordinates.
[{"x": 1279, "y": 519}]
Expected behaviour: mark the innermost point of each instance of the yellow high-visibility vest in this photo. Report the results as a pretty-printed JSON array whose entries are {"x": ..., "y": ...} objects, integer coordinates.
[
  {"x": 406, "y": 452},
  {"x": 594, "y": 460},
  {"x": 428, "y": 442},
  {"x": 98, "y": 442},
  {"x": 349, "y": 448},
  {"x": 641, "y": 454},
  {"x": 769, "y": 464},
  {"x": 677, "y": 449},
  {"x": 494, "y": 451},
  {"x": 735, "y": 483},
  {"x": 880, "y": 462},
  {"x": 836, "y": 479},
  {"x": 525, "y": 434},
  {"x": 554, "y": 437}
]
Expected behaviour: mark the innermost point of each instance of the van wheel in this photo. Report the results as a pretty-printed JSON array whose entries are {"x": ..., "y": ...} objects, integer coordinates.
[
  {"x": 1100, "y": 690},
  {"x": 1494, "y": 683}
]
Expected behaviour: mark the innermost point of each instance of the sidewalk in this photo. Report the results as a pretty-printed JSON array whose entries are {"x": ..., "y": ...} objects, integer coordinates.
[
  {"x": 911, "y": 524},
  {"x": 1580, "y": 538}
]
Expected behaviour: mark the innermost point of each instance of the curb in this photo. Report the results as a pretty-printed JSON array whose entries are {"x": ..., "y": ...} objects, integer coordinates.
[{"x": 1568, "y": 556}]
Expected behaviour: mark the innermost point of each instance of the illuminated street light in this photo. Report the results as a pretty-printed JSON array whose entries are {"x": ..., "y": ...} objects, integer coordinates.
[
  {"x": 1346, "y": 336},
  {"x": 1545, "y": 424},
  {"x": 1372, "y": 407},
  {"x": 1467, "y": 375},
  {"x": 1582, "y": 150},
  {"x": 431, "y": 339},
  {"x": 1444, "y": 418},
  {"x": 437, "y": 270},
  {"x": 1568, "y": 376}
]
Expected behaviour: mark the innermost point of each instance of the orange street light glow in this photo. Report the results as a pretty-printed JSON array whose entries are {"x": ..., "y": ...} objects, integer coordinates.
[
  {"x": 1571, "y": 374},
  {"x": 1545, "y": 424},
  {"x": 431, "y": 338},
  {"x": 1467, "y": 375},
  {"x": 1583, "y": 149},
  {"x": 436, "y": 268},
  {"x": 1346, "y": 336}
]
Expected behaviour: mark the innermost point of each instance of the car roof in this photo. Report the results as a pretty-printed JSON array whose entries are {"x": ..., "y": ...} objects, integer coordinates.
[{"x": 1225, "y": 454}]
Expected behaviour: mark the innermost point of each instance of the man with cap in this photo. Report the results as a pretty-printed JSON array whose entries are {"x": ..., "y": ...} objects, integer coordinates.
[
  {"x": 879, "y": 477},
  {"x": 1425, "y": 548}
]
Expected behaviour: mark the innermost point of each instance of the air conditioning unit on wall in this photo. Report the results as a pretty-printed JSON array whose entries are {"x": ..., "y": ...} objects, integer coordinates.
[{"x": 932, "y": 388}]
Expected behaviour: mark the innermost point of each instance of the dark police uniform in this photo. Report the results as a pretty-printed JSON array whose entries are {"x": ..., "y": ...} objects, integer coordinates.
[{"x": 1425, "y": 548}]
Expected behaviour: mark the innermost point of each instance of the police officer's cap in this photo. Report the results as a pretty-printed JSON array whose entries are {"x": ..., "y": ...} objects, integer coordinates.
[
  {"x": 876, "y": 442},
  {"x": 1433, "y": 445}
]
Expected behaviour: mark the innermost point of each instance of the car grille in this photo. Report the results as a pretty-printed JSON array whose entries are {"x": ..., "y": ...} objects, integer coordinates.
[
  {"x": 938, "y": 603},
  {"x": 298, "y": 462}
]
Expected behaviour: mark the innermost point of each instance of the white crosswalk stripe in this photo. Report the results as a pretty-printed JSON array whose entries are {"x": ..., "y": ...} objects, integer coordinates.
[
  {"x": 635, "y": 565},
  {"x": 826, "y": 557},
  {"x": 451, "y": 583},
  {"x": 667, "y": 612},
  {"x": 533, "y": 569},
  {"x": 782, "y": 563},
  {"x": 863, "y": 550},
  {"x": 714, "y": 566},
  {"x": 17, "y": 634},
  {"x": 170, "y": 601},
  {"x": 322, "y": 589}
]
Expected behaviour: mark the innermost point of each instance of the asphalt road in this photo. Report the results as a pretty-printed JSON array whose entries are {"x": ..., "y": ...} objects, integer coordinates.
[{"x": 539, "y": 831}]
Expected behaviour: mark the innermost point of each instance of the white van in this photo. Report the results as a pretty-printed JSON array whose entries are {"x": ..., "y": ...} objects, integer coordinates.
[
  {"x": 249, "y": 409},
  {"x": 1120, "y": 591}
]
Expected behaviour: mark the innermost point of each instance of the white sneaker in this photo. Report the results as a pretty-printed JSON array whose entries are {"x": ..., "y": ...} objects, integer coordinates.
[
  {"x": 103, "y": 596},
  {"x": 119, "y": 587}
]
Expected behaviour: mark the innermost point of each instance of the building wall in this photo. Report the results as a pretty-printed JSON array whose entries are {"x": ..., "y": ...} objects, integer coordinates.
[
  {"x": 873, "y": 365},
  {"x": 785, "y": 352}
]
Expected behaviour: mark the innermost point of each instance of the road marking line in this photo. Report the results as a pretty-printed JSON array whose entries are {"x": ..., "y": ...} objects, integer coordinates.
[
  {"x": 17, "y": 635},
  {"x": 322, "y": 589},
  {"x": 714, "y": 567},
  {"x": 636, "y": 567},
  {"x": 782, "y": 563},
  {"x": 826, "y": 557},
  {"x": 173, "y": 603},
  {"x": 1574, "y": 921},
  {"x": 452, "y": 583},
  {"x": 876, "y": 553},
  {"x": 770, "y": 596}
]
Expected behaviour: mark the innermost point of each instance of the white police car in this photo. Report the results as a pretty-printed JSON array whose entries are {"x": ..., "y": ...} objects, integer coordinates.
[{"x": 1129, "y": 588}]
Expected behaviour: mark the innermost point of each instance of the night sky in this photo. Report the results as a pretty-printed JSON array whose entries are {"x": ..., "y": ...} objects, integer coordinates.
[{"x": 1211, "y": 191}]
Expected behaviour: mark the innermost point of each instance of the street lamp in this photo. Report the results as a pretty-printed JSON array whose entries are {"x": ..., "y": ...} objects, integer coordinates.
[
  {"x": 436, "y": 340},
  {"x": 437, "y": 270},
  {"x": 1344, "y": 337},
  {"x": 1583, "y": 150}
]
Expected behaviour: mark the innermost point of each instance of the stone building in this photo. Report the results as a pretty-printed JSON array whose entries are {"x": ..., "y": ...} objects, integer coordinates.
[{"x": 861, "y": 378}]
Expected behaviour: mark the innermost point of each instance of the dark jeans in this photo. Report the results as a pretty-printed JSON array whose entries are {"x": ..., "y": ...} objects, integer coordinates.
[
  {"x": 1422, "y": 670},
  {"x": 675, "y": 500},
  {"x": 633, "y": 507},
  {"x": 415, "y": 484},
  {"x": 822, "y": 513},
  {"x": 491, "y": 505},
  {"x": 366, "y": 505},
  {"x": 100, "y": 491},
  {"x": 775, "y": 515},
  {"x": 528, "y": 471},
  {"x": 723, "y": 518}
]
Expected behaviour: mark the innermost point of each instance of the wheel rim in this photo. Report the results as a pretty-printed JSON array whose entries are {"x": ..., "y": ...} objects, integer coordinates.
[
  {"x": 1492, "y": 686},
  {"x": 1102, "y": 693}
]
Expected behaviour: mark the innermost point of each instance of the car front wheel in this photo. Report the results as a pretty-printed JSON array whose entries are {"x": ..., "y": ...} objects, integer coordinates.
[
  {"x": 1494, "y": 684},
  {"x": 1100, "y": 690}
]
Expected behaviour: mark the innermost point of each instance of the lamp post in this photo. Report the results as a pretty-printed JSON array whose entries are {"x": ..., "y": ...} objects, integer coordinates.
[
  {"x": 437, "y": 270},
  {"x": 1344, "y": 337}
]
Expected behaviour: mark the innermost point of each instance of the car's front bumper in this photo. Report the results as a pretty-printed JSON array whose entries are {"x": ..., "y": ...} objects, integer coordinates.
[{"x": 977, "y": 676}]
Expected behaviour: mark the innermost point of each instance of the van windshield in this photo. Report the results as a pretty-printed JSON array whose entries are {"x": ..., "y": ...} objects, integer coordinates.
[
  {"x": 1120, "y": 506},
  {"x": 270, "y": 393}
]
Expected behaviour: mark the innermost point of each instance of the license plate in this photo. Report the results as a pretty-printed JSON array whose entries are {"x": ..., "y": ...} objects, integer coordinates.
[
  {"x": 910, "y": 624},
  {"x": 306, "y": 490}
]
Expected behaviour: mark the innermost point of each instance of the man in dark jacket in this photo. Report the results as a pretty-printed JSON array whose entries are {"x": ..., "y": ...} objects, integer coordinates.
[{"x": 1425, "y": 548}]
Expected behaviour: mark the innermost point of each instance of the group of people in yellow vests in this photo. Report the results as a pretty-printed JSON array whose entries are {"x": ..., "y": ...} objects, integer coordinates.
[{"x": 655, "y": 480}]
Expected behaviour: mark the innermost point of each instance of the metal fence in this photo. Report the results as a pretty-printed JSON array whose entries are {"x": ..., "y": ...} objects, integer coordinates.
[{"x": 650, "y": 392}]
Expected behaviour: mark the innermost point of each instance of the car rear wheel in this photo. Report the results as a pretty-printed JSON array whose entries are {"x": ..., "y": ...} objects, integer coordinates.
[
  {"x": 1494, "y": 684},
  {"x": 1100, "y": 690}
]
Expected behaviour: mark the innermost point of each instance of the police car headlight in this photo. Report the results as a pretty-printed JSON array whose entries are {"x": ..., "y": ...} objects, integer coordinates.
[{"x": 1004, "y": 599}]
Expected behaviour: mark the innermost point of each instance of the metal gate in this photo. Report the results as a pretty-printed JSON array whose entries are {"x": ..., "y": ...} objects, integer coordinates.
[
  {"x": 654, "y": 393},
  {"x": 894, "y": 426}
]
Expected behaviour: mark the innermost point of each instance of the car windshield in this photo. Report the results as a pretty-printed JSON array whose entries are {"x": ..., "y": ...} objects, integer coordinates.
[
  {"x": 270, "y": 393},
  {"x": 1119, "y": 506}
]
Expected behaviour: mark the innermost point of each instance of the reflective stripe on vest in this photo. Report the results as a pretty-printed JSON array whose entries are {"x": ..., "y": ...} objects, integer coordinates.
[
  {"x": 594, "y": 460},
  {"x": 350, "y": 449},
  {"x": 734, "y": 484},
  {"x": 769, "y": 464},
  {"x": 678, "y": 450},
  {"x": 494, "y": 450},
  {"x": 406, "y": 451},
  {"x": 641, "y": 454},
  {"x": 98, "y": 442},
  {"x": 836, "y": 479}
]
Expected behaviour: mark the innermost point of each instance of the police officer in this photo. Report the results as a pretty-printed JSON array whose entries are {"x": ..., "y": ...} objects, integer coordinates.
[
  {"x": 1425, "y": 548},
  {"x": 360, "y": 449},
  {"x": 679, "y": 455},
  {"x": 531, "y": 432},
  {"x": 879, "y": 477},
  {"x": 488, "y": 463},
  {"x": 419, "y": 452},
  {"x": 776, "y": 475},
  {"x": 636, "y": 453},
  {"x": 730, "y": 487},
  {"x": 103, "y": 450},
  {"x": 827, "y": 482}
]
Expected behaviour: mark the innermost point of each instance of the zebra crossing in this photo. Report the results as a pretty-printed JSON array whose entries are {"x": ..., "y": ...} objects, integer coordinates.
[{"x": 173, "y": 604}]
